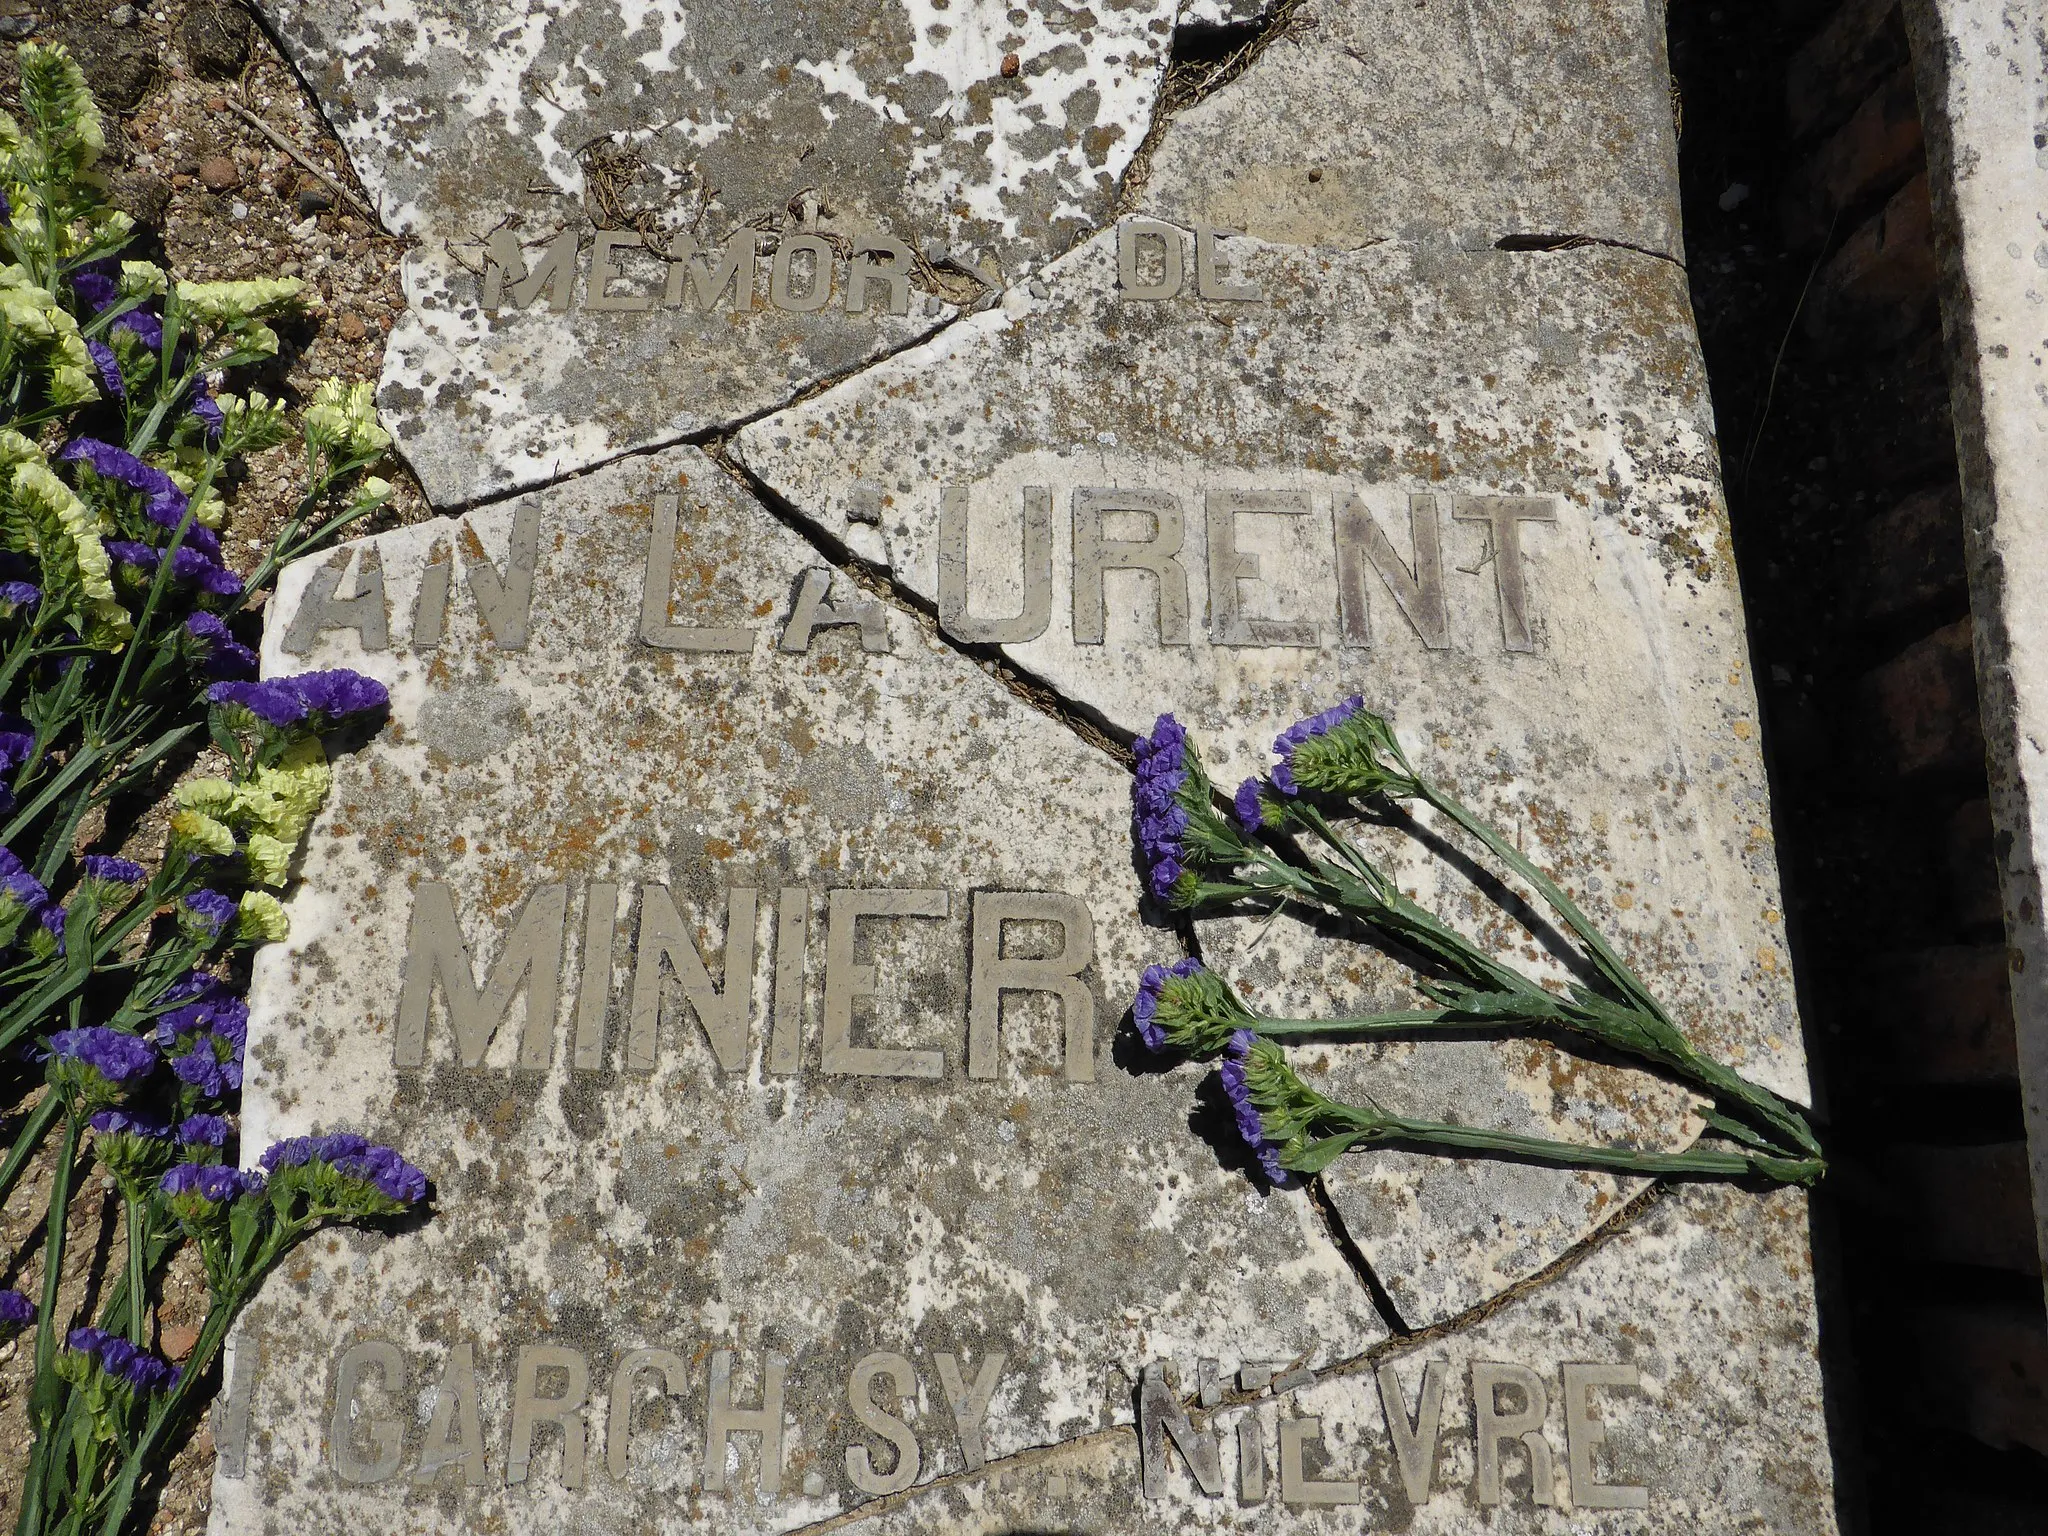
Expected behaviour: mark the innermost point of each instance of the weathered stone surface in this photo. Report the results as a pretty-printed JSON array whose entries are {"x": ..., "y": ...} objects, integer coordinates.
[
  {"x": 1704, "y": 1298},
  {"x": 845, "y": 119},
  {"x": 1601, "y": 711},
  {"x": 1982, "y": 77},
  {"x": 1466, "y": 123},
  {"x": 733, "y": 1196}
]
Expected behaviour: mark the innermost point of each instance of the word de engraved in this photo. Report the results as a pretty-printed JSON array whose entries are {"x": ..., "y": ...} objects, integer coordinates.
[
  {"x": 552, "y": 1389},
  {"x": 1160, "y": 555},
  {"x": 438, "y": 963},
  {"x": 1163, "y": 1420}
]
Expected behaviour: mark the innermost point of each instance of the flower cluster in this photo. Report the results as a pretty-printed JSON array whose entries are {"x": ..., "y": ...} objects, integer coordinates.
[
  {"x": 16, "y": 1313},
  {"x": 342, "y": 1171},
  {"x": 191, "y": 1187},
  {"x": 342, "y": 421},
  {"x": 205, "y": 1035},
  {"x": 1189, "y": 1007},
  {"x": 130, "y": 1145},
  {"x": 1241, "y": 1069},
  {"x": 1345, "y": 750},
  {"x": 269, "y": 808},
  {"x": 309, "y": 701},
  {"x": 1178, "y": 830},
  {"x": 122, "y": 1361},
  {"x": 99, "y": 1064}
]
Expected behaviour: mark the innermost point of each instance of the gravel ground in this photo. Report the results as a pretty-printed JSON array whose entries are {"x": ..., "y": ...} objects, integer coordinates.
[{"x": 181, "y": 86}]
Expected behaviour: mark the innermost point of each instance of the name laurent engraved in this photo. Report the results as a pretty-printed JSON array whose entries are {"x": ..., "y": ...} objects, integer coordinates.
[
  {"x": 437, "y": 961},
  {"x": 552, "y": 1392},
  {"x": 1363, "y": 557}
]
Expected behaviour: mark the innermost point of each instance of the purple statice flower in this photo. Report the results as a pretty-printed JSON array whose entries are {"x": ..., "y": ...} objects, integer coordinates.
[
  {"x": 100, "y": 866},
  {"x": 211, "y": 1066},
  {"x": 18, "y": 886},
  {"x": 215, "y": 1013},
  {"x": 215, "y": 1183},
  {"x": 86, "y": 1341},
  {"x": 1303, "y": 730},
  {"x": 1244, "y": 805},
  {"x": 52, "y": 920},
  {"x": 209, "y": 912},
  {"x": 208, "y": 410},
  {"x": 146, "y": 1373},
  {"x": 16, "y": 1312},
  {"x": 195, "y": 565},
  {"x": 17, "y": 595},
  {"x": 15, "y": 747},
  {"x": 118, "y": 1122},
  {"x": 163, "y": 503},
  {"x": 393, "y": 1177},
  {"x": 1250, "y": 1124},
  {"x": 119, "y": 1058},
  {"x": 224, "y": 656},
  {"x": 143, "y": 557},
  {"x": 272, "y": 702},
  {"x": 194, "y": 987},
  {"x": 1150, "y": 984},
  {"x": 109, "y": 369},
  {"x": 95, "y": 286},
  {"x": 203, "y": 1131},
  {"x": 116, "y": 1354},
  {"x": 1161, "y": 818},
  {"x": 297, "y": 1151},
  {"x": 338, "y": 693},
  {"x": 147, "y": 325}
]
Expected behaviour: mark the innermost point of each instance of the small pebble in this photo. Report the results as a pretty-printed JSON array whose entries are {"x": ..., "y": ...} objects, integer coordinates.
[
  {"x": 124, "y": 16},
  {"x": 1315, "y": 175},
  {"x": 219, "y": 174},
  {"x": 1011, "y": 64},
  {"x": 351, "y": 327},
  {"x": 312, "y": 196},
  {"x": 13, "y": 28}
]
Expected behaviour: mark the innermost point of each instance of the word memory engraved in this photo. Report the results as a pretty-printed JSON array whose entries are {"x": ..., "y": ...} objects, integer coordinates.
[{"x": 437, "y": 962}]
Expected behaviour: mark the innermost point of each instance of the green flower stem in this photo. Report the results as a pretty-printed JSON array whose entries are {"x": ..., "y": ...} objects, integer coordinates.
[
  {"x": 30, "y": 1137},
  {"x": 1371, "y": 1126},
  {"x": 138, "y": 1288},
  {"x": 47, "y": 1395},
  {"x": 1376, "y": 1026}
]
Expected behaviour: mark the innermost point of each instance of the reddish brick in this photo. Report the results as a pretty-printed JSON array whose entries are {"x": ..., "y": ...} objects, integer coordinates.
[
  {"x": 1877, "y": 149},
  {"x": 1943, "y": 1016},
  {"x": 1842, "y": 64},
  {"x": 1965, "y": 1205},
  {"x": 1923, "y": 705},
  {"x": 1879, "y": 288},
  {"x": 1908, "y": 557}
]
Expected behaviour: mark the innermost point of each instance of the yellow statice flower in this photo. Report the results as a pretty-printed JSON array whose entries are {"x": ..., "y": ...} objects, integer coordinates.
[
  {"x": 229, "y": 303},
  {"x": 261, "y": 917}
]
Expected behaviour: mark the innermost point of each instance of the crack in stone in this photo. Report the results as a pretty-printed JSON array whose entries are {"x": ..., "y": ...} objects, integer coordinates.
[
  {"x": 1342, "y": 1240},
  {"x": 312, "y": 99},
  {"x": 1539, "y": 242},
  {"x": 1200, "y": 61}
]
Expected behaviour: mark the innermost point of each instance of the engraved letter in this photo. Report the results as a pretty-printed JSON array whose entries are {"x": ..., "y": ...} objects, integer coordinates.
[
  {"x": 602, "y": 272},
  {"x": 1504, "y": 515},
  {"x": 1296, "y": 1486},
  {"x": 1251, "y": 1461},
  {"x": 792, "y": 935},
  {"x": 1059, "y": 974},
  {"x": 722, "y": 1420},
  {"x": 530, "y": 1409},
  {"x": 892, "y": 274},
  {"x": 231, "y": 1408},
  {"x": 725, "y": 1015},
  {"x": 387, "y": 1435},
  {"x": 782, "y": 292},
  {"x": 1491, "y": 1426},
  {"x": 811, "y": 612},
  {"x": 320, "y": 610},
  {"x": 846, "y": 980},
  {"x": 1173, "y": 267},
  {"x": 504, "y": 259},
  {"x": 635, "y": 1363},
  {"x": 1036, "y": 610},
  {"x": 430, "y": 609},
  {"x": 454, "y": 1410},
  {"x": 1228, "y": 566},
  {"x": 1583, "y": 1430},
  {"x": 690, "y": 273},
  {"x": 434, "y": 951},
  {"x": 1209, "y": 282},
  {"x": 1159, "y": 554},
  {"x": 655, "y": 585},
  {"x": 1414, "y": 1440},
  {"x": 594, "y": 989},
  {"x": 970, "y": 1404},
  {"x": 1420, "y": 596},
  {"x": 506, "y": 602},
  {"x": 860, "y": 1388},
  {"x": 1160, "y": 1415}
]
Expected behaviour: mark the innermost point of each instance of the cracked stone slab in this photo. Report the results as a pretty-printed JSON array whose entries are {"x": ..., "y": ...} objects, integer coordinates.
[
  {"x": 1471, "y": 123},
  {"x": 986, "y": 137},
  {"x": 667, "y": 1145},
  {"x": 1589, "y": 695},
  {"x": 1676, "y": 1390}
]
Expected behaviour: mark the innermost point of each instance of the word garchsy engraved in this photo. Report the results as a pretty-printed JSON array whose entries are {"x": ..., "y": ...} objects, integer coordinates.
[
  {"x": 438, "y": 964},
  {"x": 1363, "y": 557},
  {"x": 870, "y": 273},
  {"x": 552, "y": 1387},
  {"x": 1511, "y": 1405}
]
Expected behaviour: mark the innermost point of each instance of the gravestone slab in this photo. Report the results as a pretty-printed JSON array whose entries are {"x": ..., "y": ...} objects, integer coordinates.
[
  {"x": 747, "y": 988},
  {"x": 1983, "y": 79},
  {"x": 1478, "y": 488},
  {"x": 888, "y": 162}
]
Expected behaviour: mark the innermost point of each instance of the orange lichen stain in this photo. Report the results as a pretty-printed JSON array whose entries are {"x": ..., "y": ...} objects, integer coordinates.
[
  {"x": 458, "y": 845},
  {"x": 369, "y": 893},
  {"x": 1743, "y": 730},
  {"x": 763, "y": 608},
  {"x": 718, "y": 848}
]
